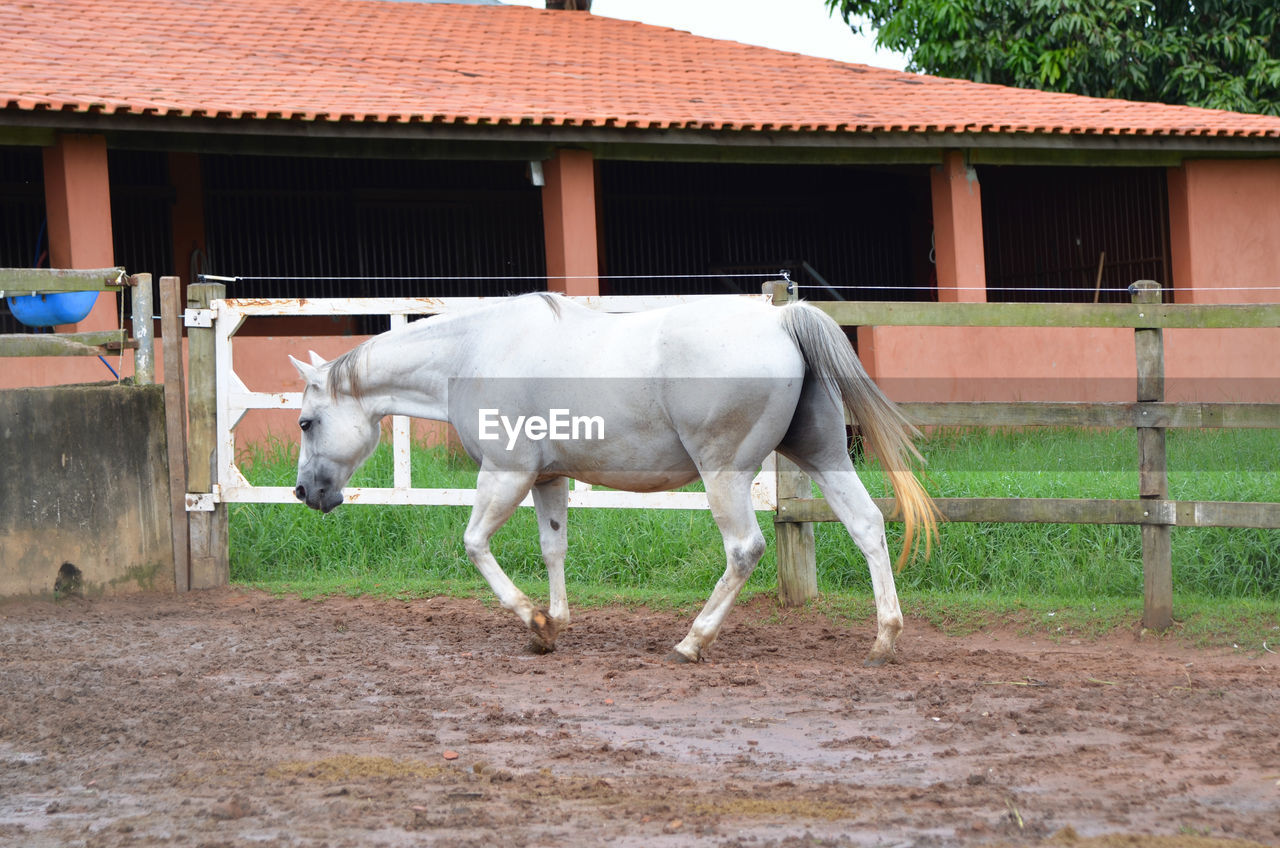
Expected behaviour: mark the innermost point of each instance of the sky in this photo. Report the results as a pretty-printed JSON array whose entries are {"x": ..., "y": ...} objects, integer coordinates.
[{"x": 798, "y": 26}]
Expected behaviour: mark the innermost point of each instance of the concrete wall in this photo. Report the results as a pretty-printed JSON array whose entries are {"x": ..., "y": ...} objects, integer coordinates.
[{"x": 85, "y": 483}]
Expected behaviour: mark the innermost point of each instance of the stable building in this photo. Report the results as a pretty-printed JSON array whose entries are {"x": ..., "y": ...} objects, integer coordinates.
[{"x": 325, "y": 148}]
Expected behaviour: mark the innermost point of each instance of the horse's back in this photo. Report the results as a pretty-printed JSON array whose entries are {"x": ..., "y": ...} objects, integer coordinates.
[
  {"x": 704, "y": 338},
  {"x": 714, "y": 382}
]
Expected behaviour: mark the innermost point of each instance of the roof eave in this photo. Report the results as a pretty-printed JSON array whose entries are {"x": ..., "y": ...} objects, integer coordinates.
[{"x": 37, "y": 126}]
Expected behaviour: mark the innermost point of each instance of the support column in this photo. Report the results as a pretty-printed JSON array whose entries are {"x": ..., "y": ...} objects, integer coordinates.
[
  {"x": 569, "y": 223},
  {"x": 77, "y": 194},
  {"x": 957, "y": 227},
  {"x": 188, "y": 213}
]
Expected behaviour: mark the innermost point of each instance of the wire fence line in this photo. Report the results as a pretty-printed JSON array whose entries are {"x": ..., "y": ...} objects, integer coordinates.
[{"x": 783, "y": 275}]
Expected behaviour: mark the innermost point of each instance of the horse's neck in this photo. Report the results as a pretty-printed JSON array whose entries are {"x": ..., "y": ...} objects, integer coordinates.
[{"x": 407, "y": 371}]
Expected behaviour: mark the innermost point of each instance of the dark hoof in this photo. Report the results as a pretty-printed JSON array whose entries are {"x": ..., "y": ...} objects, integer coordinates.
[
  {"x": 537, "y": 646},
  {"x": 876, "y": 662},
  {"x": 677, "y": 658},
  {"x": 542, "y": 633}
]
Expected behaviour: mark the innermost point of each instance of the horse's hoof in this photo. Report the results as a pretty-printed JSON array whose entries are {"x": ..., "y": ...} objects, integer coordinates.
[
  {"x": 539, "y": 647},
  {"x": 677, "y": 658},
  {"x": 543, "y": 631},
  {"x": 875, "y": 661}
]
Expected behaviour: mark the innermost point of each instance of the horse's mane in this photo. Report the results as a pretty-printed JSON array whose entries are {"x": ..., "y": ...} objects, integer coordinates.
[
  {"x": 346, "y": 372},
  {"x": 551, "y": 300}
]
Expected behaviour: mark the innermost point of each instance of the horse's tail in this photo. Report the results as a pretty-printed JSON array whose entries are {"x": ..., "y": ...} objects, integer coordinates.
[{"x": 830, "y": 358}]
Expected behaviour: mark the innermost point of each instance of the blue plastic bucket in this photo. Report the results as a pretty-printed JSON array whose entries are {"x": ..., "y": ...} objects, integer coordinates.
[{"x": 48, "y": 310}]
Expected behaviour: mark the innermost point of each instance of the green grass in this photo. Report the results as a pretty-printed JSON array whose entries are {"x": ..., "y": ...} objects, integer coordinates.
[{"x": 1053, "y": 578}]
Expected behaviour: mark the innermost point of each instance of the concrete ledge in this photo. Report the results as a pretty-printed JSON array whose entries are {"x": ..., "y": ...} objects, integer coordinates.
[{"x": 84, "y": 491}]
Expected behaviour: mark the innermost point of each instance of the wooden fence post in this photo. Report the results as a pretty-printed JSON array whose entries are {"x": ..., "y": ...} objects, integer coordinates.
[
  {"x": 144, "y": 357},
  {"x": 797, "y": 558},
  {"x": 793, "y": 541},
  {"x": 175, "y": 420},
  {"x": 210, "y": 565},
  {"x": 1153, "y": 477}
]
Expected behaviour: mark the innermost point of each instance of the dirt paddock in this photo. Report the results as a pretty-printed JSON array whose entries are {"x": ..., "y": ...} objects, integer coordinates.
[{"x": 234, "y": 718}]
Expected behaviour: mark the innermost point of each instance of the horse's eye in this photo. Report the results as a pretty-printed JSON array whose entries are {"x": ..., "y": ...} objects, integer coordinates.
[{"x": 305, "y": 424}]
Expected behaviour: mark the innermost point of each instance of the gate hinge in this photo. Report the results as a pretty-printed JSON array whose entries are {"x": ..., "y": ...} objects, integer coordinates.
[
  {"x": 201, "y": 501},
  {"x": 198, "y": 317}
]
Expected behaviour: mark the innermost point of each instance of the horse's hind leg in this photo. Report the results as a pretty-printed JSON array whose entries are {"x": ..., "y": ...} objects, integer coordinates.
[
  {"x": 498, "y": 493},
  {"x": 860, "y": 516},
  {"x": 729, "y": 494},
  {"x": 816, "y": 443},
  {"x": 551, "y": 501}
]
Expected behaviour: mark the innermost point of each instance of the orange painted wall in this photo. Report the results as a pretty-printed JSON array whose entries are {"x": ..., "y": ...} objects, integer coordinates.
[
  {"x": 1065, "y": 364},
  {"x": 1000, "y": 363},
  {"x": 1224, "y": 233},
  {"x": 18, "y": 373},
  {"x": 1225, "y": 221}
]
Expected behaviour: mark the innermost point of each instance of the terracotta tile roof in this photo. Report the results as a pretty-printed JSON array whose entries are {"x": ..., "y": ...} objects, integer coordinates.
[{"x": 367, "y": 60}]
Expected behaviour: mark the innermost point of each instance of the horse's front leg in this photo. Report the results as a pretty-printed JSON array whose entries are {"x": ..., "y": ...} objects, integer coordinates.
[
  {"x": 729, "y": 495},
  {"x": 551, "y": 501},
  {"x": 498, "y": 493}
]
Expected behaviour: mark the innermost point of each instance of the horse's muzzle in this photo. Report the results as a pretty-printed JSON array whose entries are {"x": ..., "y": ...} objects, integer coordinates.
[{"x": 322, "y": 499}]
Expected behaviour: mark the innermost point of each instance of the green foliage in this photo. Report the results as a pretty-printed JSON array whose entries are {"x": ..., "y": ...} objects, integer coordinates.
[
  {"x": 1085, "y": 561},
  {"x": 1059, "y": 579},
  {"x": 679, "y": 554},
  {"x": 418, "y": 550},
  {"x": 1220, "y": 54}
]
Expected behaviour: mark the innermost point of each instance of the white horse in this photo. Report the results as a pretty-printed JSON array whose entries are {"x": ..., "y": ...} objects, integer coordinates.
[{"x": 645, "y": 401}]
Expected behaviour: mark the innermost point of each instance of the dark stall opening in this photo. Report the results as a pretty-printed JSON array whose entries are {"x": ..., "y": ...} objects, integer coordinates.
[
  {"x": 841, "y": 232},
  {"x": 298, "y": 227},
  {"x": 1073, "y": 234},
  {"x": 24, "y": 243}
]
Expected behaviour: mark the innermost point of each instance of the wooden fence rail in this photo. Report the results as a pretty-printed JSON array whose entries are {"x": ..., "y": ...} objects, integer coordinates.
[
  {"x": 15, "y": 282},
  {"x": 1150, "y": 416}
]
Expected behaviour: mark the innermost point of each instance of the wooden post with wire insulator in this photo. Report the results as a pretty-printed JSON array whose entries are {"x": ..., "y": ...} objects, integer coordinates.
[
  {"x": 796, "y": 556},
  {"x": 1153, "y": 476}
]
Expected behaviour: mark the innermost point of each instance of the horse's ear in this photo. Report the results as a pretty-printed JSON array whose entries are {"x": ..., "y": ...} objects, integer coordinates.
[
  {"x": 316, "y": 359},
  {"x": 308, "y": 372}
]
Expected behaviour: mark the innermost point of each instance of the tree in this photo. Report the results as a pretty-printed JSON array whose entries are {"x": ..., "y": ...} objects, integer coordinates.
[{"x": 1221, "y": 54}]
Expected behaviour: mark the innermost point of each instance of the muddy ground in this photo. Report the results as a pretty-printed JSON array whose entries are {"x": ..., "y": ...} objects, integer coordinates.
[{"x": 235, "y": 718}]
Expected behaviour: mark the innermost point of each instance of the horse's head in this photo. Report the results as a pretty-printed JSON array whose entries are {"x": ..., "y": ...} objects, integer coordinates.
[{"x": 338, "y": 435}]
